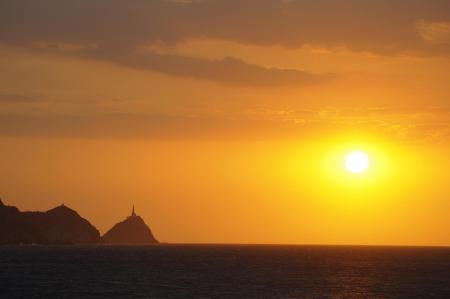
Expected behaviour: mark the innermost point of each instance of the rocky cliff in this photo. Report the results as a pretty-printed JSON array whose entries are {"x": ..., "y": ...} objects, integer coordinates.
[
  {"x": 132, "y": 230},
  {"x": 60, "y": 225}
]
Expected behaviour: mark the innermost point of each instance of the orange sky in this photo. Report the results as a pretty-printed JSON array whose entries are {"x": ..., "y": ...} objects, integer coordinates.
[{"x": 228, "y": 121}]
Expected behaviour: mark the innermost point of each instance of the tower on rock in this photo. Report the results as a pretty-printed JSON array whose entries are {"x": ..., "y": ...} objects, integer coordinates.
[{"x": 132, "y": 230}]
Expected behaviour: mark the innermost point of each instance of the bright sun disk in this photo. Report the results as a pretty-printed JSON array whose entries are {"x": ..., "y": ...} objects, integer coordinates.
[{"x": 357, "y": 162}]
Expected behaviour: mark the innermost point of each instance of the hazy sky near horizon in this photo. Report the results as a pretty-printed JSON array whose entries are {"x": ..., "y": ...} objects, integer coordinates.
[{"x": 223, "y": 120}]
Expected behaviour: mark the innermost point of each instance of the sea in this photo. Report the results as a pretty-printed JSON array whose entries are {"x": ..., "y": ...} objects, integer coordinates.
[{"x": 224, "y": 271}]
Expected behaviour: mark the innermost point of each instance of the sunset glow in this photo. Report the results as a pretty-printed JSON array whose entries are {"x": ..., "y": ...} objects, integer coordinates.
[{"x": 324, "y": 122}]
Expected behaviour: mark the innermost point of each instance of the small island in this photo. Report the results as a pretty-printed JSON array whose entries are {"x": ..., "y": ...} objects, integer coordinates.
[
  {"x": 132, "y": 230},
  {"x": 64, "y": 226}
]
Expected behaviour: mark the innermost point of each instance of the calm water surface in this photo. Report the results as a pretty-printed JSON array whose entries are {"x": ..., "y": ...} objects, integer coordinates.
[{"x": 224, "y": 271}]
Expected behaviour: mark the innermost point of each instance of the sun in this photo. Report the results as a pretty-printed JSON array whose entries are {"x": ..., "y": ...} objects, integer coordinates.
[{"x": 357, "y": 162}]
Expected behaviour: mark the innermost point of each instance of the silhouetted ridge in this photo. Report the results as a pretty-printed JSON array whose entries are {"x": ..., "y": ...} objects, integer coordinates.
[
  {"x": 132, "y": 230},
  {"x": 60, "y": 225},
  {"x": 63, "y": 210}
]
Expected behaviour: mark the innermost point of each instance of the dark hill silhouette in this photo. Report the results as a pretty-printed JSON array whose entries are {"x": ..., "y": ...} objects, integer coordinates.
[
  {"x": 60, "y": 225},
  {"x": 132, "y": 230}
]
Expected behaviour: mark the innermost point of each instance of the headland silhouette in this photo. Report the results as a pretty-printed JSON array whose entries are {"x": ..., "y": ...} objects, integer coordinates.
[{"x": 63, "y": 225}]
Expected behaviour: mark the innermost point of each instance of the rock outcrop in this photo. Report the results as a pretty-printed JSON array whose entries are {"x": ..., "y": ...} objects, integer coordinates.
[
  {"x": 131, "y": 231},
  {"x": 60, "y": 225}
]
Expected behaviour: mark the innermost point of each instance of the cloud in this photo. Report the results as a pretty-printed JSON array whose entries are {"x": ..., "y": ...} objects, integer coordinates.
[
  {"x": 379, "y": 26},
  {"x": 114, "y": 29},
  {"x": 19, "y": 98},
  {"x": 434, "y": 32},
  {"x": 134, "y": 126},
  {"x": 402, "y": 125},
  {"x": 229, "y": 70}
]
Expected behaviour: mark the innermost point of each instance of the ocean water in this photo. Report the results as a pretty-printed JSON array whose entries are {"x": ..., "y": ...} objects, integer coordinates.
[{"x": 224, "y": 271}]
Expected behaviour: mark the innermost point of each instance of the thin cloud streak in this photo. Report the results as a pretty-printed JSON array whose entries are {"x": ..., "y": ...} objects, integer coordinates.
[
  {"x": 7, "y": 97},
  {"x": 229, "y": 70},
  {"x": 409, "y": 126}
]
